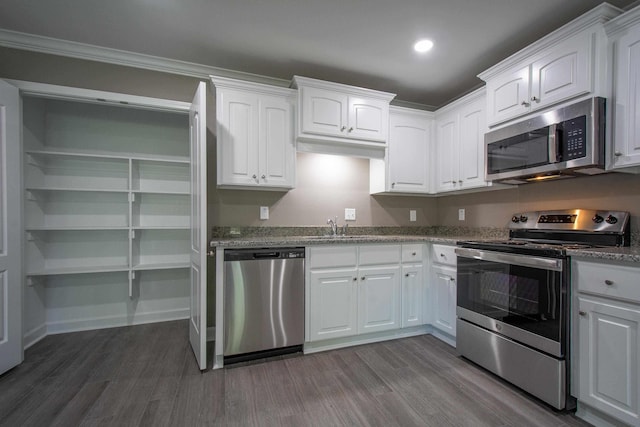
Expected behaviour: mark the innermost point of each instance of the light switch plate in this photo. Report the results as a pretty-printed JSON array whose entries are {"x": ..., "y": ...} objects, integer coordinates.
[
  {"x": 461, "y": 215},
  {"x": 264, "y": 212},
  {"x": 412, "y": 215},
  {"x": 349, "y": 214}
]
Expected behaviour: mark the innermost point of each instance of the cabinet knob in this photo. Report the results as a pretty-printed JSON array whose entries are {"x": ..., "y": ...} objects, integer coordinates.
[
  {"x": 264, "y": 177},
  {"x": 608, "y": 282},
  {"x": 413, "y": 254},
  {"x": 362, "y": 278},
  {"x": 442, "y": 255},
  {"x": 406, "y": 275},
  {"x": 342, "y": 128},
  {"x": 582, "y": 313},
  {"x": 460, "y": 181},
  {"x": 452, "y": 279},
  {"x": 255, "y": 176},
  {"x": 355, "y": 279},
  {"x": 617, "y": 154},
  {"x": 393, "y": 184},
  {"x": 350, "y": 129},
  {"x": 534, "y": 99},
  {"x": 525, "y": 104}
]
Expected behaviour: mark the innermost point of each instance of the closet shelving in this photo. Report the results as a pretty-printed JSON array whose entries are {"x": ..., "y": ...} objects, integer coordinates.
[{"x": 106, "y": 191}]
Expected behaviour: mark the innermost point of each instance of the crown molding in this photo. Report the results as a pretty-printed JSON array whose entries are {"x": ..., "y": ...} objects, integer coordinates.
[{"x": 52, "y": 46}]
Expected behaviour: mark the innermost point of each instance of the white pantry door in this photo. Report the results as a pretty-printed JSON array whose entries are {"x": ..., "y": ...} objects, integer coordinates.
[
  {"x": 11, "y": 353},
  {"x": 198, "y": 308}
]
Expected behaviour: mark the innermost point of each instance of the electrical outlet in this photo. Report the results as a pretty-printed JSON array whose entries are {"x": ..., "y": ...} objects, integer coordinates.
[
  {"x": 412, "y": 215},
  {"x": 461, "y": 214},
  {"x": 349, "y": 214},
  {"x": 264, "y": 212}
]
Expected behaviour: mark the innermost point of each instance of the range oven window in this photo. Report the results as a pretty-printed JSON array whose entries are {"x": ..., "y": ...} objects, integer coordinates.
[{"x": 525, "y": 297}]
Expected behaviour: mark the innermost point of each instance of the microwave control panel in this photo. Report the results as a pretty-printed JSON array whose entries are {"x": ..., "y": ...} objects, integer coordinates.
[{"x": 574, "y": 133}]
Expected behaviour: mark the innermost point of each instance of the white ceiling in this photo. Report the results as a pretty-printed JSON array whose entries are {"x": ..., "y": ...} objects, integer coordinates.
[{"x": 360, "y": 42}]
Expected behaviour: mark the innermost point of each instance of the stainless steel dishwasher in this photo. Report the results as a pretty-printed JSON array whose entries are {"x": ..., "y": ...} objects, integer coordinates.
[{"x": 263, "y": 302}]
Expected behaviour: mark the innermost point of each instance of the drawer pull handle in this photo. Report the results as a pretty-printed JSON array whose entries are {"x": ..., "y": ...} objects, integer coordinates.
[
  {"x": 582, "y": 313},
  {"x": 608, "y": 282}
]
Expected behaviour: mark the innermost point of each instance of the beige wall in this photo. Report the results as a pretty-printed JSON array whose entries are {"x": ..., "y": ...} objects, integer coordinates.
[
  {"x": 326, "y": 184},
  {"x": 615, "y": 191}
]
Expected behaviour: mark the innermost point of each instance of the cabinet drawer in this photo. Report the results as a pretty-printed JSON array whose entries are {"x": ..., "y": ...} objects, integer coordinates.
[
  {"x": 379, "y": 254},
  {"x": 333, "y": 256},
  {"x": 444, "y": 254},
  {"x": 614, "y": 281},
  {"x": 412, "y": 253}
]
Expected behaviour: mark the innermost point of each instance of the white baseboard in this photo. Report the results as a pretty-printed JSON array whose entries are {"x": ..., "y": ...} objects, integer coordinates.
[
  {"x": 34, "y": 335},
  {"x": 332, "y": 344},
  {"x": 76, "y": 325}
]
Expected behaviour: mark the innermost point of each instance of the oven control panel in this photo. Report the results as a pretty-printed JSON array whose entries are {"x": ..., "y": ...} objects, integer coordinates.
[
  {"x": 557, "y": 219},
  {"x": 572, "y": 220}
]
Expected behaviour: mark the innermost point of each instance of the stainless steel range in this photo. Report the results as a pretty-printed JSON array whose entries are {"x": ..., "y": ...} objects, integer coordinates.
[{"x": 513, "y": 302}]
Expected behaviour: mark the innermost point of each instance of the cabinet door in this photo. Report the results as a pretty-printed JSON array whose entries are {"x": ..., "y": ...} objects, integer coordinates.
[
  {"x": 198, "y": 295},
  {"x": 508, "y": 96},
  {"x": 368, "y": 119},
  {"x": 408, "y": 153},
  {"x": 333, "y": 304},
  {"x": 277, "y": 153},
  {"x": 446, "y": 149},
  {"x": 11, "y": 352},
  {"x": 323, "y": 112},
  {"x": 471, "y": 144},
  {"x": 562, "y": 74},
  {"x": 443, "y": 282},
  {"x": 379, "y": 299},
  {"x": 609, "y": 339},
  {"x": 412, "y": 295},
  {"x": 626, "y": 139},
  {"x": 237, "y": 138}
]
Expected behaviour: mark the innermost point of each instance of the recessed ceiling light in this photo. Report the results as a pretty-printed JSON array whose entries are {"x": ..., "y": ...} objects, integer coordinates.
[{"x": 423, "y": 45}]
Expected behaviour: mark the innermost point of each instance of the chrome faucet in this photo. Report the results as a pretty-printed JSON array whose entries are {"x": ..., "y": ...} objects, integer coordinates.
[{"x": 333, "y": 223}]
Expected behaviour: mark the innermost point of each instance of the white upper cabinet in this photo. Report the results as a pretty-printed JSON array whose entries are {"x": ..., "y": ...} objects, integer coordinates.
[
  {"x": 405, "y": 168},
  {"x": 256, "y": 145},
  {"x": 339, "y": 116},
  {"x": 460, "y": 129},
  {"x": 568, "y": 63},
  {"x": 625, "y": 36}
]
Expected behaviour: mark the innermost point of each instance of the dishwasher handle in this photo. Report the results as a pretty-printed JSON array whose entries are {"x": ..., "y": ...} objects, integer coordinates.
[
  {"x": 260, "y": 255},
  {"x": 263, "y": 253}
]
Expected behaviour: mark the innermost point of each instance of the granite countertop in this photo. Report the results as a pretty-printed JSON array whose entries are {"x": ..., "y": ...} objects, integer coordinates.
[
  {"x": 254, "y": 242},
  {"x": 624, "y": 254}
]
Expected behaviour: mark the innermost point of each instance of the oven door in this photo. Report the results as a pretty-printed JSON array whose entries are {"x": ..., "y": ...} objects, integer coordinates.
[{"x": 522, "y": 297}]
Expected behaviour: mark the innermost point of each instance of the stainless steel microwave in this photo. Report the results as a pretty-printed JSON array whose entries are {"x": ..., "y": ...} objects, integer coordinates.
[{"x": 564, "y": 142}]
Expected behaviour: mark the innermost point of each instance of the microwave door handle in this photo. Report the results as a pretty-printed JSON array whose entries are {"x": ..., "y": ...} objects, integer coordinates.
[{"x": 553, "y": 143}]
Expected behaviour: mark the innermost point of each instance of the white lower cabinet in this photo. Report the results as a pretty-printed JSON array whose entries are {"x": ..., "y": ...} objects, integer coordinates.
[
  {"x": 334, "y": 296},
  {"x": 443, "y": 281},
  {"x": 443, "y": 289},
  {"x": 609, "y": 358},
  {"x": 379, "y": 299},
  {"x": 356, "y": 290},
  {"x": 607, "y": 348}
]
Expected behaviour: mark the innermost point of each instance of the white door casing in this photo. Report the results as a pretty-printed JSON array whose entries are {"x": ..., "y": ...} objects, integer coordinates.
[
  {"x": 11, "y": 349},
  {"x": 198, "y": 141}
]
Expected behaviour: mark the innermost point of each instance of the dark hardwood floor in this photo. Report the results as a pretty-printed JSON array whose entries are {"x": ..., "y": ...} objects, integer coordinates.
[{"x": 146, "y": 376}]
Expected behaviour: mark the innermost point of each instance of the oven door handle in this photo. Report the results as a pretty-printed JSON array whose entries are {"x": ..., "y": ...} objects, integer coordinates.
[{"x": 506, "y": 258}]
